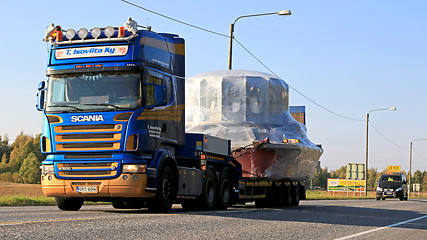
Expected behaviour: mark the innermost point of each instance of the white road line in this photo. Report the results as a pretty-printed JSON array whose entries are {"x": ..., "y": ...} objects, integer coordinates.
[
  {"x": 236, "y": 211},
  {"x": 377, "y": 229}
]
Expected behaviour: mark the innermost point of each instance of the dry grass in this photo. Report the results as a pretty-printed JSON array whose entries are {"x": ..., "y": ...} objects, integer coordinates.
[
  {"x": 322, "y": 195},
  {"x": 18, "y": 194},
  {"x": 20, "y": 190}
]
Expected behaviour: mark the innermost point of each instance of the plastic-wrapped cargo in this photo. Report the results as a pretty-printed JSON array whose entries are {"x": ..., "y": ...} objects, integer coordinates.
[{"x": 252, "y": 110}]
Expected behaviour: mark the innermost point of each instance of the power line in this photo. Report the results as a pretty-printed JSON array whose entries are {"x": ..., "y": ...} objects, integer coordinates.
[
  {"x": 382, "y": 135},
  {"x": 247, "y": 50},
  {"x": 175, "y": 20},
  {"x": 419, "y": 155},
  {"x": 259, "y": 61},
  {"x": 300, "y": 93}
]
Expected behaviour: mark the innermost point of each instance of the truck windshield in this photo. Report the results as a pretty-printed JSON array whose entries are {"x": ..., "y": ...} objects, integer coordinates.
[{"x": 106, "y": 91}]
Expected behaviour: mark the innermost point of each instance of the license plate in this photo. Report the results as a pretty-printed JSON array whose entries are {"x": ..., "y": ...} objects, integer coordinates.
[
  {"x": 389, "y": 193},
  {"x": 88, "y": 189}
]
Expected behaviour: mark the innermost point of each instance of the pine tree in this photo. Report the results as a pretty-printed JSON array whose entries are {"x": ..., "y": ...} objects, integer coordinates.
[
  {"x": 29, "y": 171},
  {"x": 4, "y": 146},
  {"x": 3, "y": 163}
]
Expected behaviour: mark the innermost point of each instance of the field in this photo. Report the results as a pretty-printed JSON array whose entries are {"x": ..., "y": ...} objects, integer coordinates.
[{"x": 17, "y": 194}]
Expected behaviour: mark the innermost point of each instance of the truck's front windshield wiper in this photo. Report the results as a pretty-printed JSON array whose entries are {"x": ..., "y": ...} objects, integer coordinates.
[
  {"x": 103, "y": 104},
  {"x": 69, "y": 106}
]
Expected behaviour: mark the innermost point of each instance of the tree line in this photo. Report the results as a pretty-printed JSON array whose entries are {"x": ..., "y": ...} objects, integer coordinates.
[
  {"x": 21, "y": 160},
  {"x": 321, "y": 176}
]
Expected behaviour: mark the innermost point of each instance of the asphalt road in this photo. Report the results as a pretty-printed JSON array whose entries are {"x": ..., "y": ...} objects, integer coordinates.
[{"x": 325, "y": 219}]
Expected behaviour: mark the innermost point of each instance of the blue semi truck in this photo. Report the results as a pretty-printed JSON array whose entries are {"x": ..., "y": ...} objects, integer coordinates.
[{"x": 113, "y": 128}]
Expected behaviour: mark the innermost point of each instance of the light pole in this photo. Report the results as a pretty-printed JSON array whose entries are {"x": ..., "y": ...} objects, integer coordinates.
[
  {"x": 230, "y": 48},
  {"x": 366, "y": 158},
  {"x": 410, "y": 164}
]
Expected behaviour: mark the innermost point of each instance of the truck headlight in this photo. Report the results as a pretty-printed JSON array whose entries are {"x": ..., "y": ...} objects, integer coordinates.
[
  {"x": 134, "y": 168},
  {"x": 379, "y": 189},
  {"x": 47, "y": 169}
]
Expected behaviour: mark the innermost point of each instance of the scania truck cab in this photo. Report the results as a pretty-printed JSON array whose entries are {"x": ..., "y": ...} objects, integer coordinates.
[{"x": 113, "y": 111}]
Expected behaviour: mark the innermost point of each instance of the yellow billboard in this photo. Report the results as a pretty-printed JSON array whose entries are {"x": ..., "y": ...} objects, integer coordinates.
[
  {"x": 344, "y": 185},
  {"x": 393, "y": 168}
]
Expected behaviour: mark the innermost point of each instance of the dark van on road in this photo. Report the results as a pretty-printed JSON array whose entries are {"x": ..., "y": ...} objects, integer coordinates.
[{"x": 392, "y": 185}]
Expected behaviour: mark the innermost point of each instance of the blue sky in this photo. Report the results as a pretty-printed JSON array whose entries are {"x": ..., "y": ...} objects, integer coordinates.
[{"x": 348, "y": 56}]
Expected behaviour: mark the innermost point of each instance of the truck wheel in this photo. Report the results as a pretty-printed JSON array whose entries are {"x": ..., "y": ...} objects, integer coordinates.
[
  {"x": 208, "y": 197},
  {"x": 288, "y": 196},
  {"x": 295, "y": 196},
  {"x": 69, "y": 204},
  {"x": 166, "y": 191},
  {"x": 225, "y": 190}
]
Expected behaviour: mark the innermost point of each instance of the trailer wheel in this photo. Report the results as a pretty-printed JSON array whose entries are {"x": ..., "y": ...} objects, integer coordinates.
[
  {"x": 295, "y": 195},
  {"x": 224, "y": 190},
  {"x": 209, "y": 192},
  {"x": 166, "y": 191},
  {"x": 69, "y": 204},
  {"x": 288, "y": 196}
]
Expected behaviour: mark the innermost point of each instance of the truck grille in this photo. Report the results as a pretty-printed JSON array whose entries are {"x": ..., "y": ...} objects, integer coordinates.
[
  {"x": 96, "y": 169},
  {"x": 100, "y": 137}
]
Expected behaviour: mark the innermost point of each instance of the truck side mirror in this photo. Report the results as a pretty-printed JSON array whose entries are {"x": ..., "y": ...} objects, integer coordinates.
[
  {"x": 160, "y": 95},
  {"x": 40, "y": 96}
]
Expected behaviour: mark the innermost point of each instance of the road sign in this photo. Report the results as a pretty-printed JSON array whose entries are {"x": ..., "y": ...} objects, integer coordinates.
[
  {"x": 393, "y": 168},
  {"x": 355, "y": 171}
]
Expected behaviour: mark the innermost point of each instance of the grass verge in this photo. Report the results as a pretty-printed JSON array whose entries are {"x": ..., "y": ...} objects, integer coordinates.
[{"x": 26, "y": 201}]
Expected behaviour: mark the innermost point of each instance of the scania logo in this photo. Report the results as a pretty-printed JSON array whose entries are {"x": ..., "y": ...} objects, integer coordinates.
[{"x": 88, "y": 118}]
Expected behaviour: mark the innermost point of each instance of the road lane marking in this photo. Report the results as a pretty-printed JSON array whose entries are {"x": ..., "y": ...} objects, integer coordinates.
[
  {"x": 236, "y": 211},
  {"x": 45, "y": 221},
  {"x": 381, "y": 228}
]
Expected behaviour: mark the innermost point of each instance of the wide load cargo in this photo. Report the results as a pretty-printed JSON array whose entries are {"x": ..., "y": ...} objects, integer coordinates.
[{"x": 252, "y": 110}]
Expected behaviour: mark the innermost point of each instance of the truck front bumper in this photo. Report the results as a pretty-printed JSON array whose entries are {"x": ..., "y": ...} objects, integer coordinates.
[{"x": 126, "y": 185}]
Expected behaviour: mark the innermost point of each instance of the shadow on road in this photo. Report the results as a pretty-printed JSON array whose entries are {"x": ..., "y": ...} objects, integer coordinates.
[{"x": 312, "y": 213}]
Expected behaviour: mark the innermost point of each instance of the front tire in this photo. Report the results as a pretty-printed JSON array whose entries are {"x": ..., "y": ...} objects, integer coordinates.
[
  {"x": 69, "y": 204},
  {"x": 166, "y": 191}
]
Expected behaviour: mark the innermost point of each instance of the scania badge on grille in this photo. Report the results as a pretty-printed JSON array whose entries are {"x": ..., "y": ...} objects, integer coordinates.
[{"x": 113, "y": 168}]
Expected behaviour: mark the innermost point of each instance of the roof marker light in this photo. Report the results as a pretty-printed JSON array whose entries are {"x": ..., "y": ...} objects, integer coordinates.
[
  {"x": 70, "y": 34},
  {"x": 109, "y": 31},
  {"x": 95, "y": 32},
  {"x": 121, "y": 32},
  {"x": 83, "y": 32}
]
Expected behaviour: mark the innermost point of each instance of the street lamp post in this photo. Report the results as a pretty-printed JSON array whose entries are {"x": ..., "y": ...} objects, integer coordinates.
[
  {"x": 410, "y": 164},
  {"x": 230, "y": 48},
  {"x": 366, "y": 157}
]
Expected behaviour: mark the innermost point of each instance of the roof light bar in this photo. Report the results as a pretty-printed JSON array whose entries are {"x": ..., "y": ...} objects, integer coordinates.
[{"x": 108, "y": 34}]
